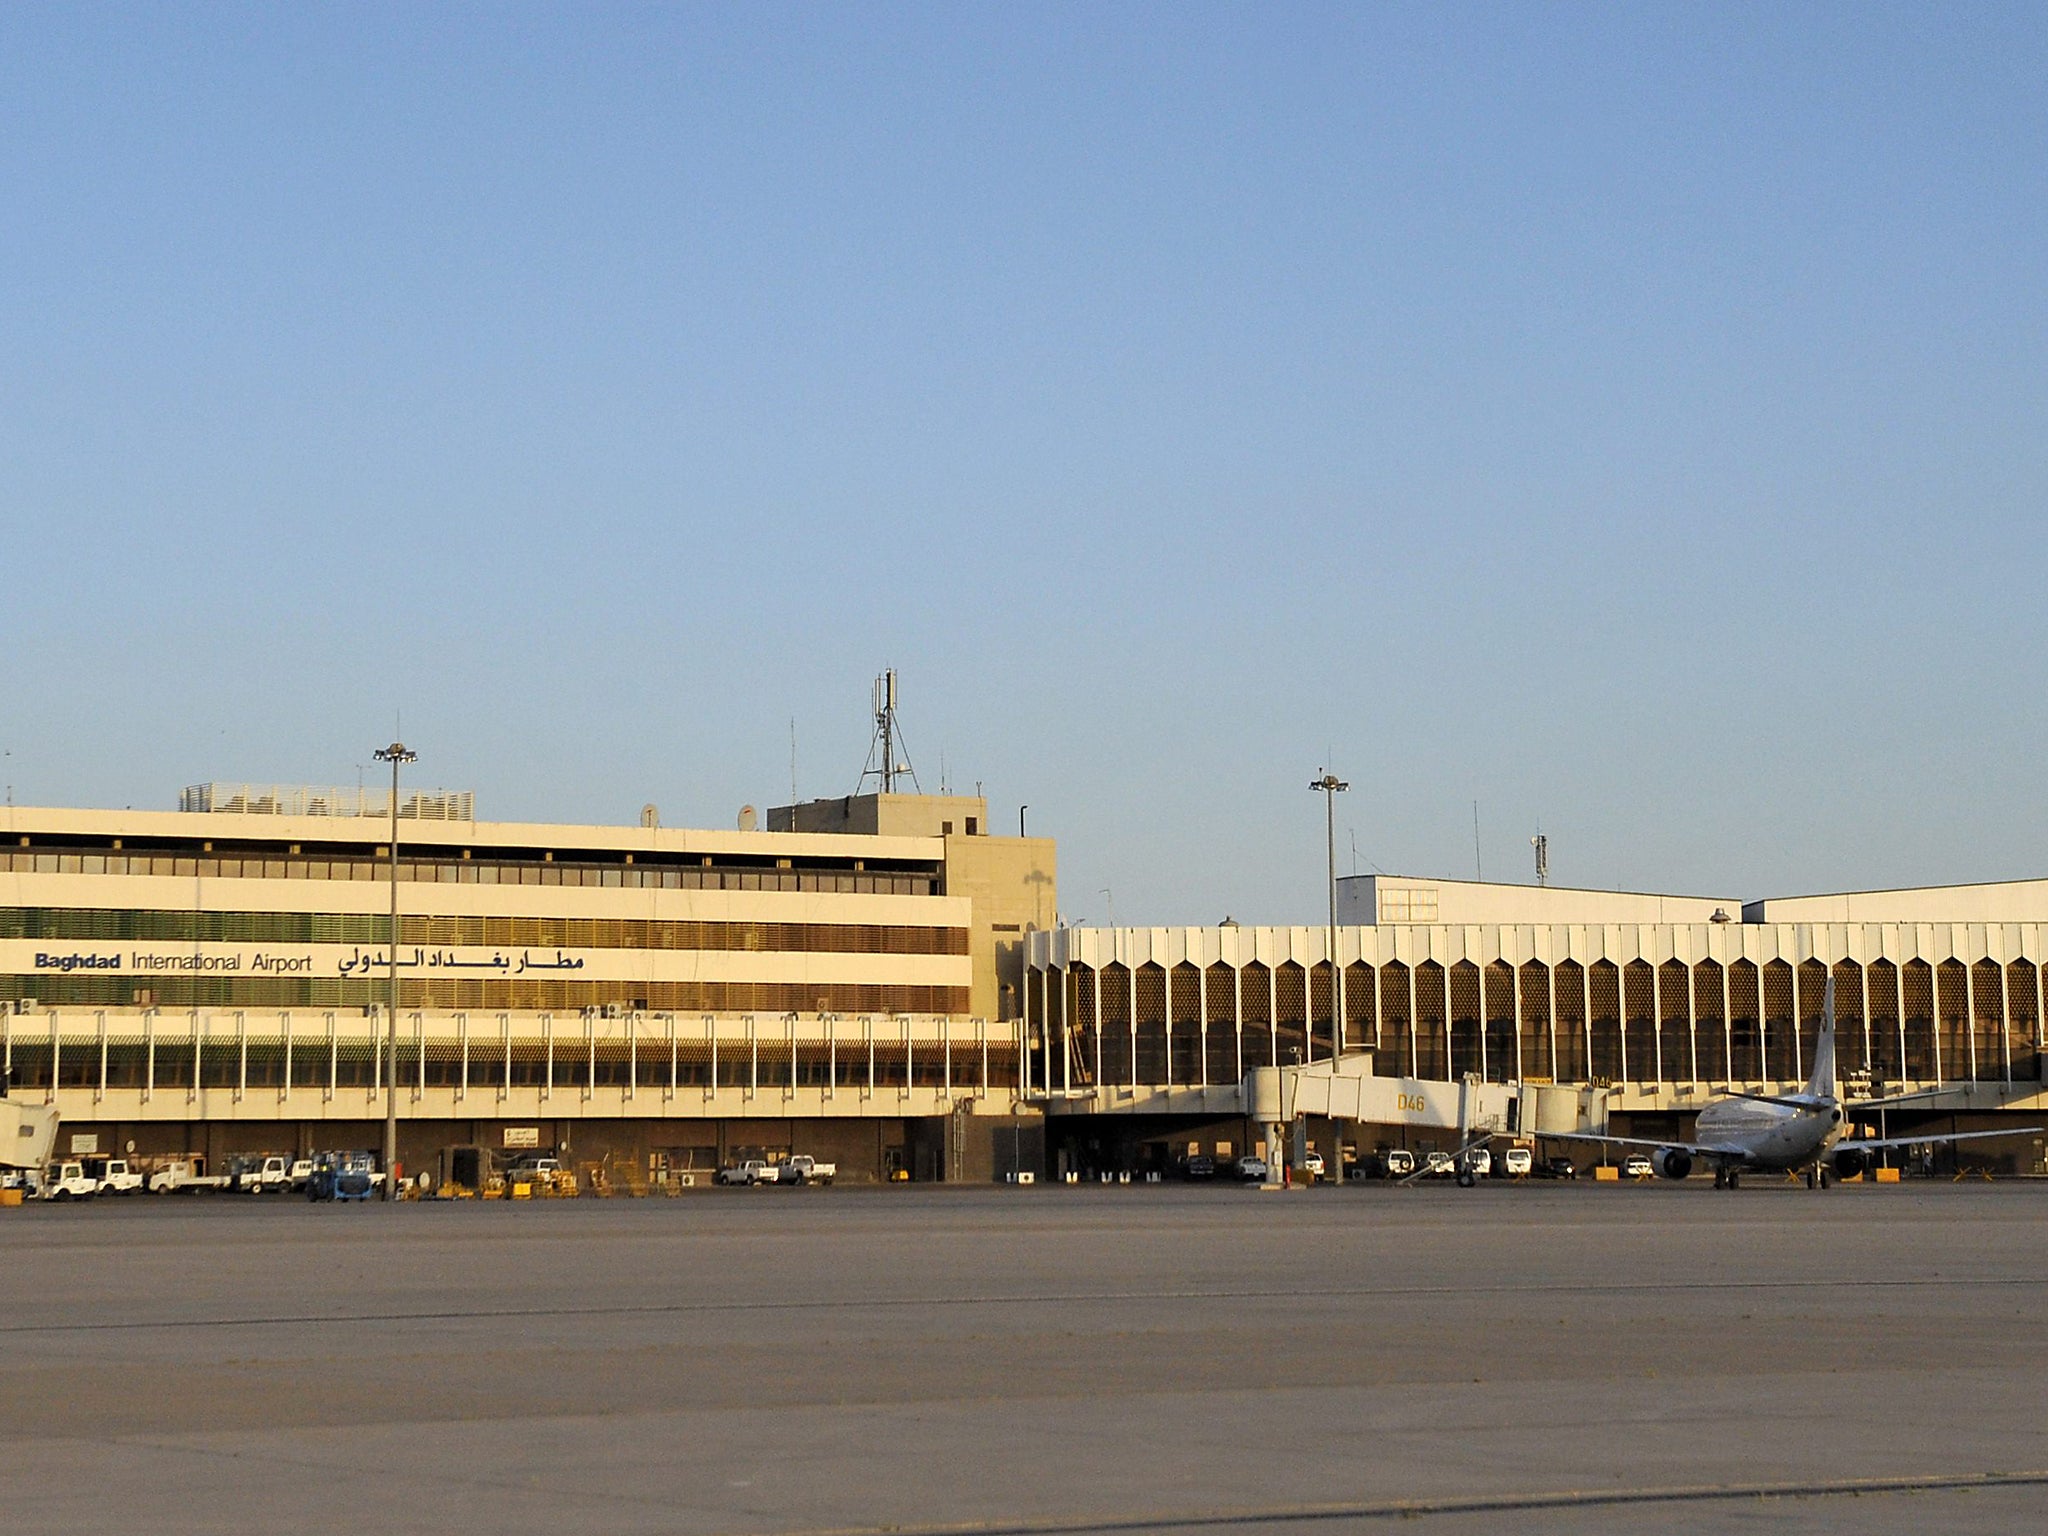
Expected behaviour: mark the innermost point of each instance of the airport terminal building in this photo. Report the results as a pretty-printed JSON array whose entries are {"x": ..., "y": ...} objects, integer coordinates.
[
  {"x": 1611, "y": 1008},
  {"x": 214, "y": 980},
  {"x": 881, "y": 982}
]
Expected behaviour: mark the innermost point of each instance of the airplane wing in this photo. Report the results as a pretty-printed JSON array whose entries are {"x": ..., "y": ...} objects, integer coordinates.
[
  {"x": 1721, "y": 1151},
  {"x": 1873, "y": 1144}
]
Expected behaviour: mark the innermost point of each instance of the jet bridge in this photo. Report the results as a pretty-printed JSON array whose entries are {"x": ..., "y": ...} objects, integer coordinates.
[
  {"x": 28, "y": 1132},
  {"x": 1347, "y": 1089}
]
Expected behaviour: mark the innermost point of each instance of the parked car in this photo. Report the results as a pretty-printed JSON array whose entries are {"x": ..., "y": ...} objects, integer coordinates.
[
  {"x": 755, "y": 1170},
  {"x": 805, "y": 1169},
  {"x": 1252, "y": 1170},
  {"x": 1198, "y": 1165},
  {"x": 1557, "y": 1167},
  {"x": 1438, "y": 1165},
  {"x": 1515, "y": 1163},
  {"x": 1638, "y": 1166},
  {"x": 1312, "y": 1168},
  {"x": 1478, "y": 1162},
  {"x": 1399, "y": 1162}
]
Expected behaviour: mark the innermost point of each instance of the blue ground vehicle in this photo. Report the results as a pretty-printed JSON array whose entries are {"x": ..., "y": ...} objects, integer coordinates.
[{"x": 342, "y": 1176}]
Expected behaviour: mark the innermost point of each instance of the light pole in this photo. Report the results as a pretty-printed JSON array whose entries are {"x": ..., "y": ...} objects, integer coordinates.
[
  {"x": 394, "y": 754},
  {"x": 1332, "y": 786}
]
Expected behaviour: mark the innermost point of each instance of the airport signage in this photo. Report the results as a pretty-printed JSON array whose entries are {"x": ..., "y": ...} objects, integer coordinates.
[{"x": 42, "y": 958}]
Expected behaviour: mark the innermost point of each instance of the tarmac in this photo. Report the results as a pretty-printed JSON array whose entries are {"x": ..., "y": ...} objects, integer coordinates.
[{"x": 1533, "y": 1358}]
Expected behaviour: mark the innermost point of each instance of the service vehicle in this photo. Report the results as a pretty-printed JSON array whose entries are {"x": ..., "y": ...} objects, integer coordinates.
[
  {"x": 805, "y": 1169},
  {"x": 755, "y": 1170},
  {"x": 301, "y": 1171},
  {"x": 1558, "y": 1167},
  {"x": 68, "y": 1181},
  {"x": 261, "y": 1175},
  {"x": 1637, "y": 1165},
  {"x": 114, "y": 1175},
  {"x": 1199, "y": 1165},
  {"x": 1478, "y": 1162},
  {"x": 1516, "y": 1163},
  {"x": 1438, "y": 1165},
  {"x": 342, "y": 1176},
  {"x": 1252, "y": 1170},
  {"x": 1399, "y": 1162},
  {"x": 185, "y": 1175},
  {"x": 1312, "y": 1167}
]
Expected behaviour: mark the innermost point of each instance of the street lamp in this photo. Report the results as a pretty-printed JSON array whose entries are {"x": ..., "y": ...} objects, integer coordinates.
[
  {"x": 1331, "y": 787},
  {"x": 394, "y": 754}
]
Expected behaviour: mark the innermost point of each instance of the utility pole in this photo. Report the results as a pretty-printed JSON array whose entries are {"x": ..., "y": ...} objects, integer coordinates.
[
  {"x": 1332, "y": 786},
  {"x": 394, "y": 754}
]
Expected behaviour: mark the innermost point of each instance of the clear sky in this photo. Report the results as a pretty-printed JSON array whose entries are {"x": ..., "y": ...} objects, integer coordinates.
[{"x": 1632, "y": 419}]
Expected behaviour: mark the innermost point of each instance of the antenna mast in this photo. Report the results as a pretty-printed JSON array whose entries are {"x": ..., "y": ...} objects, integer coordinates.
[
  {"x": 1542, "y": 846},
  {"x": 887, "y": 741}
]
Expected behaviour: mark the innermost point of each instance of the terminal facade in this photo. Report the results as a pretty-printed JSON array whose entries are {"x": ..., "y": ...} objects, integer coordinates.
[
  {"x": 881, "y": 981},
  {"x": 215, "y": 980},
  {"x": 1637, "y": 1007}
]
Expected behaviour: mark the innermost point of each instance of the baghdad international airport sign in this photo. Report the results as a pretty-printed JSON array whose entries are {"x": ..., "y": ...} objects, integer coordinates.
[{"x": 33, "y": 957}]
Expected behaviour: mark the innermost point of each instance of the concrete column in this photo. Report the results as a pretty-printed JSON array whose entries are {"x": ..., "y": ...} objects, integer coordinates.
[
  {"x": 1969, "y": 1014},
  {"x": 1657, "y": 1021},
  {"x": 1414, "y": 1028}
]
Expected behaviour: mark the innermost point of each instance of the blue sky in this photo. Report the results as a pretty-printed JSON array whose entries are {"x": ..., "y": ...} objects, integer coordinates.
[{"x": 1631, "y": 419}]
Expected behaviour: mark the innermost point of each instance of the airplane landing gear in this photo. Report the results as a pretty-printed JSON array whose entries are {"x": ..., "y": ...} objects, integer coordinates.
[{"x": 1720, "y": 1178}]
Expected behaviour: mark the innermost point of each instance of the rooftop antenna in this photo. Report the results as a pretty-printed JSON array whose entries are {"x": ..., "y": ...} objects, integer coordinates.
[
  {"x": 1478, "y": 869},
  {"x": 792, "y": 759},
  {"x": 1542, "y": 846},
  {"x": 888, "y": 742}
]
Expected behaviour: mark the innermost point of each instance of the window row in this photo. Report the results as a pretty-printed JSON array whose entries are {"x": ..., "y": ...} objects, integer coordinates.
[
  {"x": 467, "y": 872},
  {"x": 86, "y": 990},
  {"x": 487, "y": 1061},
  {"x": 168, "y": 927}
]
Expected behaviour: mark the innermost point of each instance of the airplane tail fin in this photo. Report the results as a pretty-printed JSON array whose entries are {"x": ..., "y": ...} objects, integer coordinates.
[{"x": 1822, "y": 1083}]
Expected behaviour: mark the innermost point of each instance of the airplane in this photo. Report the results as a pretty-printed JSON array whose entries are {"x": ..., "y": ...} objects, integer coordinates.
[{"x": 1772, "y": 1133}]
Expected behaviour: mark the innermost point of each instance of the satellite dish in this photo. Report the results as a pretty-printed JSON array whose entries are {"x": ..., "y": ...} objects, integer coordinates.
[
  {"x": 748, "y": 821},
  {"x": 650, "y": 815}
]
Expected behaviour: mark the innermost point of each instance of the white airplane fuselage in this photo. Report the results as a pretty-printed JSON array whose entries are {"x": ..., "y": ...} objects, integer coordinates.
[{"x": 1772, "y": 1136}]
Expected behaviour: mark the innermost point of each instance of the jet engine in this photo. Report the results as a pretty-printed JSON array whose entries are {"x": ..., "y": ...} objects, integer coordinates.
[
  {"x": 1848, "y": 1162},
  {"x": 1671, "y": 1162}
]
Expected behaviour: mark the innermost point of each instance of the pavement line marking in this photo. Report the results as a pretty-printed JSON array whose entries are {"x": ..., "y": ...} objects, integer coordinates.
[
  {"x": 1039, "y": 1299},
  {"x": 1410, "y": 1509}
]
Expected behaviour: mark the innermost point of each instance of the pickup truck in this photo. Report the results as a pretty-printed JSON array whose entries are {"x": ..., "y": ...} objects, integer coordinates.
[
  {"x": 68, "y": 1181},
  {"x": 114, "y": 1175},
  {"x": 184, "y": 1176},
  {"x": 754, "y": 1170},
  {"x": 805, "y": 1169},
  {"x": 260, "y": 1175}
]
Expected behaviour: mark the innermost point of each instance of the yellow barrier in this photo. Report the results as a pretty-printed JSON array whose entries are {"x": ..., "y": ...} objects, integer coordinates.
[
  {"x": 10, "y": 1197},
  {"x": 1607, "y": 1175},
  {"x": 1887, "y": 1175},
  {"x": 522, "y": 1191}
]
